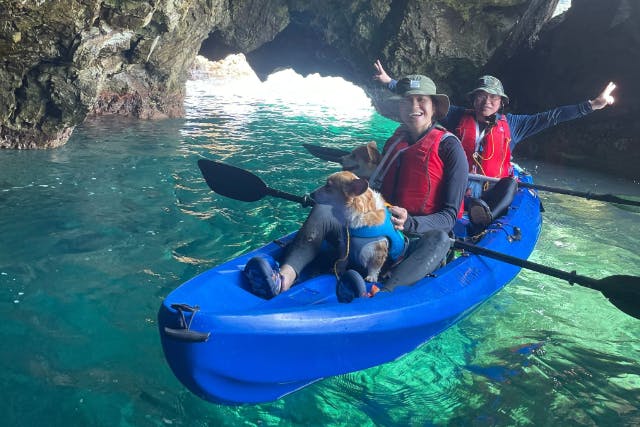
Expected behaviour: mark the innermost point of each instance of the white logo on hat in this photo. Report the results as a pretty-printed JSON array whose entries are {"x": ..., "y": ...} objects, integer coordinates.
[{"x": 414, "y": 84}]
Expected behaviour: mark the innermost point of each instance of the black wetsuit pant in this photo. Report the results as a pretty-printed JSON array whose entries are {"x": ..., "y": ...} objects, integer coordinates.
[
  {"x": 498, "y": 197},
  {"x": 423, "y": 255}
]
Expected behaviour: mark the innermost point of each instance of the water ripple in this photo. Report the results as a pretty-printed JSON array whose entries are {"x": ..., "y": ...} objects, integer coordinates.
[{"x": 97, "y": 232}]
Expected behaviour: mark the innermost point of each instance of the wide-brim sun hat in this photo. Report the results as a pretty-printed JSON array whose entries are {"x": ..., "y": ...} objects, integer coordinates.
[
  {"x": 416, "y": 84},
  {"x": 490, "y": 85}
]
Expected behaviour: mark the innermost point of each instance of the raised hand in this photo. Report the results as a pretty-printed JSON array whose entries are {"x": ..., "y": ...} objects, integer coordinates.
[
  {"x": 381, "y": 75},
  {"x": 604, "y": 98}
]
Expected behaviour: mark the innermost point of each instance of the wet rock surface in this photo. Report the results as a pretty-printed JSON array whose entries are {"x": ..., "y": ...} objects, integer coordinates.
[{"x": 65, "y": 60}]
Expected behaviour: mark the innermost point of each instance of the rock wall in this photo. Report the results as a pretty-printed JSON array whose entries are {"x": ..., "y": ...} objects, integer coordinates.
[
  {"x": 447, "y": 39},
  {"x": 64, "y": 60},
  {"x": 573, "y": 59}
]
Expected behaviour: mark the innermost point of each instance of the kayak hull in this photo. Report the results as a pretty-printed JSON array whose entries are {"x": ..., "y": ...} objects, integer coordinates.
[{"x": 237, "y": 348}]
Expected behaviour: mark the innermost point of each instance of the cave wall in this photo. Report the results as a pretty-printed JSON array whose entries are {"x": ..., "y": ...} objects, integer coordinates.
[
  {"x": 65, "y": 60},
  {"x": 448, "y": 40},
  {"x": 573, "y": 59}
]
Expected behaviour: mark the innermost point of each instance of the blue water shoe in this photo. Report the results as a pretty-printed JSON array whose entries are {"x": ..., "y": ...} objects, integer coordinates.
[
  {"x": 263, "y": 274},
  {"x": 351, "y": 285}
]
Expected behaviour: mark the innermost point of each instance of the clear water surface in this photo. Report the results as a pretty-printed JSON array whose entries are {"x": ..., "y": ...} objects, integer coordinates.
[{"x": 96, "y": 233}]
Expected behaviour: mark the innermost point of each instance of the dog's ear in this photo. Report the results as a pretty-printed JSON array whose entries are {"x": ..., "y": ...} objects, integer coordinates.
[
  {"x": 358, "y": 187},
  {"x": 374, "y": 154}
]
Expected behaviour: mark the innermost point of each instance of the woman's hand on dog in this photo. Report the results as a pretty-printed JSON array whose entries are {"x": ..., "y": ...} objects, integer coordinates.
[{"x": 398, "y": 217}]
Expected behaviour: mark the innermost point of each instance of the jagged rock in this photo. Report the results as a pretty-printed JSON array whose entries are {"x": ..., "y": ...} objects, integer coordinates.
[
  {"x": 231, "y": 67},
  {"x": 573, "y": 59},
  {"x": 66, "y": 59}
]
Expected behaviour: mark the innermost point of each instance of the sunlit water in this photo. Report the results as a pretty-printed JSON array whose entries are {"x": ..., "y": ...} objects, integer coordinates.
[{"x": 96, "y": 233}]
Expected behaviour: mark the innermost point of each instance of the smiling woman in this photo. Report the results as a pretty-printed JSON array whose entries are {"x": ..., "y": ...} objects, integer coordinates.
[{"x": 420, "y": 104}]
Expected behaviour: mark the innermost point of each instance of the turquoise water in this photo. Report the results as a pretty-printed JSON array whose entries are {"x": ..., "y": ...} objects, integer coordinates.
[{"x": 96, "y": 233}]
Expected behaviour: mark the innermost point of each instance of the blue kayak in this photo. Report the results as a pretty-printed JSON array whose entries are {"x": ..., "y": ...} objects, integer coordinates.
[{"x": 229, "y": 346}]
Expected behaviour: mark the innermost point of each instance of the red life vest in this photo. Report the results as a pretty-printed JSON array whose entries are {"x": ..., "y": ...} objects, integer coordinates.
[
  {"x": 413, "y": 173},
  {"x": 495, "y": 158}
]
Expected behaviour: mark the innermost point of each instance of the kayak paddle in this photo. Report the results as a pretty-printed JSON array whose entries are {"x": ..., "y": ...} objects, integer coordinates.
[
  {"x": 326, "y": 153},
  {"x": 242, "y": 185},
  {"x": 622, "y": 290},
  {"x": 334, "y": 155},
  {"x": 585, "y": 194}
]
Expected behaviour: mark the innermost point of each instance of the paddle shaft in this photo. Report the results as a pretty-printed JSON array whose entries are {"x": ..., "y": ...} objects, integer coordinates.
[
  {"x": 623, "y": 291},
  {"x": 586, "y": 194},
  {"x": 305, "y": 200},
  {"x": 560, "y": 274}
]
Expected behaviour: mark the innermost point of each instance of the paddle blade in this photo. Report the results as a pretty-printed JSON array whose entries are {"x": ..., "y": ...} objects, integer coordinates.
[
  {"x": 623, "y": 291},
  {"x": 326, "y": 153},
  {"x": 232, "y": 182}
]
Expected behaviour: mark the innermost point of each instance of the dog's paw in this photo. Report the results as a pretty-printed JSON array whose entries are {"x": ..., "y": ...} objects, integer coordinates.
[{"x": 371, "y": 278}]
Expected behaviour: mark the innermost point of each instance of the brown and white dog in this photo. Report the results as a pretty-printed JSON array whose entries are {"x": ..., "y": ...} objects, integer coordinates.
[
  {"x": 363, "y": 160},
  {"x": 360, "y": 207}
]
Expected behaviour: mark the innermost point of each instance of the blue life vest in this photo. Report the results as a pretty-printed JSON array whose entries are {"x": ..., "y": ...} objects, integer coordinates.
[{"x": 395, "y": 237}]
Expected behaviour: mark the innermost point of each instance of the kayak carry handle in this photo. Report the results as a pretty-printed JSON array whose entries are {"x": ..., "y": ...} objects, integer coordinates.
[{"x": 185, "y": 333}]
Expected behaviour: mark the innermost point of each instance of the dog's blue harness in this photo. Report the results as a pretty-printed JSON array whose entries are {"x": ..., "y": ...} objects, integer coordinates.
[{"x": 368, "y": 232}]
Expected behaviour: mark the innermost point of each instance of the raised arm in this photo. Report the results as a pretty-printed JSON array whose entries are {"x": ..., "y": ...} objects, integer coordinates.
[{"x": 525, "y": 125}]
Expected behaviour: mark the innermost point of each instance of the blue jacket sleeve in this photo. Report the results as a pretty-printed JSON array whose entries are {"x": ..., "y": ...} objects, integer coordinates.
[
  {"x": 524, "y": 125},
  {"x": 452, "y": 119}
]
